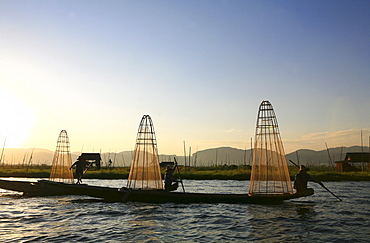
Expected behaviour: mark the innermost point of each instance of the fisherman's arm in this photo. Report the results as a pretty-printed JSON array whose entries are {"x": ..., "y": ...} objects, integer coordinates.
[
  {"x": 72, "y": 165},
  {"x": 319, "y": 182}
]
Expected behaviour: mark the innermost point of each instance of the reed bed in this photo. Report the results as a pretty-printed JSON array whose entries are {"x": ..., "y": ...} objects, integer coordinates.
[{"x": 198, "y": 173}]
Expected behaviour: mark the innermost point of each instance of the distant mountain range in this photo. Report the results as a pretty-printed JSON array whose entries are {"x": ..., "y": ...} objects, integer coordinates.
[
  {"x": 229, "y": 156},
  {"x": 213, "y": 156}
]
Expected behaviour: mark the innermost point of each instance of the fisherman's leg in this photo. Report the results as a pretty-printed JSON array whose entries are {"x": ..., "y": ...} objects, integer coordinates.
[
  {"x": 310, "y": 191},
  {"x": 79, "y": 179},
  {"x": 175, "y": 185},
  {"x": 305, "y": 192},
  {"x": 167, "y": 186}
]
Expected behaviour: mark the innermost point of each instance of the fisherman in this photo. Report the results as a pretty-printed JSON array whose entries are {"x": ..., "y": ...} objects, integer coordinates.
[
  {"x": 80, "y": 167},
  {"x": 110, "y": 163},
  {"x": 301, "y": 180},
  {"x": 170, "y": 183}
]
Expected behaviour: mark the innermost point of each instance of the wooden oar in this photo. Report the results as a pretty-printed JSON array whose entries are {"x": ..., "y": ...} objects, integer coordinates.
[
  {"x": 320, "y": 183},
  {"x": 87, "y": 168},
  {"x": 178, "y": 171},
  {"x": 330, "y": 192}
]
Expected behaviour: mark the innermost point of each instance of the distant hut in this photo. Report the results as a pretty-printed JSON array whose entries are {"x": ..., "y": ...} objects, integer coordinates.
[
  {"x": 354, "y": 161},
  {"x": 92, "y": 158},
  {"x": 164, "y": 164}
]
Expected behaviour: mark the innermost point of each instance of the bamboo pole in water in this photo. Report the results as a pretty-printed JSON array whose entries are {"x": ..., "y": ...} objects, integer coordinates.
[
  {"x": 330, "y": 160},
  {"x": 184, "y": 155},
  {"x": 2, "y": 152}
]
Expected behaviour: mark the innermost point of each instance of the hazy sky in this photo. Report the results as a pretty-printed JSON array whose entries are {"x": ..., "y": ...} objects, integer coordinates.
[{"x": 200, "y": 69}]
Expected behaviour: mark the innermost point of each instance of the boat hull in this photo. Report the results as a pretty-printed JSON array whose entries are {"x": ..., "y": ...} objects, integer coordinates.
[
  {"x": 160, "y": 196},
  {"x": 109, "y": 194},
  {"x": 33, "y": 188}
]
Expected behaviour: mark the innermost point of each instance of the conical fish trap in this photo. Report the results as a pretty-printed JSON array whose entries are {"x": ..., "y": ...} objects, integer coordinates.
[
  {"x": 145, "y": 171},
  {"x": 62, "y": 160},
  {"x": 270, "y": 175}
]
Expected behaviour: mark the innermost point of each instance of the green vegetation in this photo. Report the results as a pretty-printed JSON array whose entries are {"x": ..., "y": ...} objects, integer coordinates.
[
  {"x": 231, "y": 172},
  {"x": 108, "y": 173},
  {"x": 19, "y": 171}
]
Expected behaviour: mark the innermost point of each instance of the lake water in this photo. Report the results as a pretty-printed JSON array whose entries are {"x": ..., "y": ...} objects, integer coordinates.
[{"x": 319, "y": 218}]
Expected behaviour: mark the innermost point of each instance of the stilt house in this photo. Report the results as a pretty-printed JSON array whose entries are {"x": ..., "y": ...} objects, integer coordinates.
[{"x": 354, "y": 161}]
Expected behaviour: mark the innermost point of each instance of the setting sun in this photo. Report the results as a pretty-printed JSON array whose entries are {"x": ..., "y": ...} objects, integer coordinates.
[{"x": 17, "y": 120}]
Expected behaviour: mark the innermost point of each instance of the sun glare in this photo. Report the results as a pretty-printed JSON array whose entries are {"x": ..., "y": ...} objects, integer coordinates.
[{"x": 16, "y": 120}]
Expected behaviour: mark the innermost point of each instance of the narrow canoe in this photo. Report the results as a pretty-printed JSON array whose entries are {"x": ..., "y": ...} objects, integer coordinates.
[{"x": 110, "y": 194}]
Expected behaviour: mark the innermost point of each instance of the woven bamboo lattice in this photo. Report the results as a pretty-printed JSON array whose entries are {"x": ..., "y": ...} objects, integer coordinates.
[
  {"x": 62, "y": 161},
  {"x": 270, "y": 175},
  {"x": 145, "y": 171}
]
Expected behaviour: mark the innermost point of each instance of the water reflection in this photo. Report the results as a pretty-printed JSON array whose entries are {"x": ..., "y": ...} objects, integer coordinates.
[
  {"x": 287, "y": 222},
  {"x": 304, "y": 212},
  {"x": 142, "y": 219}
]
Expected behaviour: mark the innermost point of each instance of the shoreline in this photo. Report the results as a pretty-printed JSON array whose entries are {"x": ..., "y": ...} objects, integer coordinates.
[{"x": 322, "y": 176}]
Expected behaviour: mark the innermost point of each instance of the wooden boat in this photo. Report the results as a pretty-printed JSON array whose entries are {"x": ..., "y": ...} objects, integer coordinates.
[
  {"x": 33, "y": 188},
  {"x": 110, "y": 194}
]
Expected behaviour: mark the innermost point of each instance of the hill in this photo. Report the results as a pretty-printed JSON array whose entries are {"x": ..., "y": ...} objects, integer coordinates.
[
  {"x": 208, "y": 157},
  {"x": 233, "y": 156}
]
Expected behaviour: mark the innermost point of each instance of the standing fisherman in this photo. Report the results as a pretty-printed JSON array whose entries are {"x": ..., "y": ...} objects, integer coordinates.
[{"x": 80, "y": 167}]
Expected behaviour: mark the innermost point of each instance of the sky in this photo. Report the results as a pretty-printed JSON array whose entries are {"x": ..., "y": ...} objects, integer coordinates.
[{"x": 200, "y": 69}]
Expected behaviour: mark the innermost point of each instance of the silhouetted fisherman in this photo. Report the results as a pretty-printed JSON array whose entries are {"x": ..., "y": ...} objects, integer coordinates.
[
  {"x": 80, "y": 167},
  {"x": 170, "y": 183},
  {"x": 301, "y": 180}
]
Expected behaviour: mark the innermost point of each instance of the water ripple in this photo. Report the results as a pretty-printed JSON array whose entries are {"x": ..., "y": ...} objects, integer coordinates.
[{"x": 75, "y": 219}]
